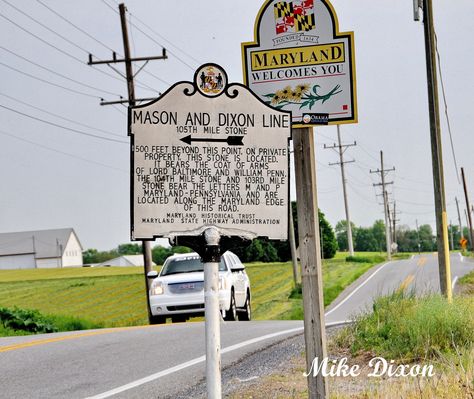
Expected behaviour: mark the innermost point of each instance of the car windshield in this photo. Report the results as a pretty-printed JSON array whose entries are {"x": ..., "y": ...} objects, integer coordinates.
[{"x": 186, "y": 265}]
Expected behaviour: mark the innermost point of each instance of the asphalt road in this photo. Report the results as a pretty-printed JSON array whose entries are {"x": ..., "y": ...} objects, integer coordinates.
[{"x": 160, "y": 361}]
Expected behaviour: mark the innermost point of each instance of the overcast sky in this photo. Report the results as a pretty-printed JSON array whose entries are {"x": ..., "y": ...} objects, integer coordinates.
[{"x": 52, "y": 177}]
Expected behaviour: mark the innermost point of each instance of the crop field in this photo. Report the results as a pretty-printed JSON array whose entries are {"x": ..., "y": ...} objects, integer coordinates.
[{"x": 114, "y": 296}]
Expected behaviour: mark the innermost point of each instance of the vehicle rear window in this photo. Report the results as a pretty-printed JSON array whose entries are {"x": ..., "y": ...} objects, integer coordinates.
[{"x": 186, "y": 265}]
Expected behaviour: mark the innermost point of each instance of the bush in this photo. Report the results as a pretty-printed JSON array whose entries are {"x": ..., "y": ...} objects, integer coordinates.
[
  {"x": 366, "y": 259},
  {"x": 32, "y": 321},
  {"x": 25, "y": 320},
  {"x": 402, "y": 326}
]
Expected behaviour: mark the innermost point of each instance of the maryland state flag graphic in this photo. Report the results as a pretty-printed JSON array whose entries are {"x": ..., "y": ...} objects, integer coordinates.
[{"x": 294, "y": 16}]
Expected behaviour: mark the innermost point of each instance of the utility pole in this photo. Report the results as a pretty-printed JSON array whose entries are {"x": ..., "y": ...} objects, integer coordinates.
[
  {"x": 128, "y": 60},
  {"x": 468, "y": 209},
  {"x": 341, "y": 150},
  {"x": 470, "y": 231},
  {"x": 452, "y": 235},
  {"x": 461, "y": 232},
  {"x": 444, "y": 263},
  {"x": 394, "y": 221},
  {"x": 383, "y": 172},
  {"x": 419, "y": 241}
]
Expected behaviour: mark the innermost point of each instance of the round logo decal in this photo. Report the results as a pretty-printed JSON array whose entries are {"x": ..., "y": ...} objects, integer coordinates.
[
  {"x": 306, "y": 118},
  {"x": 211, "y": 80}
]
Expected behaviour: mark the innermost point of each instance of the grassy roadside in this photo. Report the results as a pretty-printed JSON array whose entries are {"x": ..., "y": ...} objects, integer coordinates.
[
  {"x": 424, "y": 331},
  {"x": 113, "y": 296}
]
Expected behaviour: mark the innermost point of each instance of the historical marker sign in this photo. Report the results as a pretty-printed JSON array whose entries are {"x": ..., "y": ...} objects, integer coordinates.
[
  {"x": 300, "y": 62},
  {"x": 207, "y": 153}
]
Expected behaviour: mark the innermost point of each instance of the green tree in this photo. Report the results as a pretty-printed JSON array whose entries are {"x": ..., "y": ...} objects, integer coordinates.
[
  {"x": 427, "y": 239},
  {"x": 365, "y": 240},
  {"x": 378, "y": 232},
  {"x": 129, "y": 249},
  {"x": 341, "y": 234},
  {"x": 328, "y": 237}
]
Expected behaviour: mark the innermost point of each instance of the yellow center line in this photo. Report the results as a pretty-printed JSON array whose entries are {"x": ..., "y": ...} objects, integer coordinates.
[
  {"x": 422, "y": 261},
  {"x": 70, "y": 337},
  {"x": 405, "y": 283}
]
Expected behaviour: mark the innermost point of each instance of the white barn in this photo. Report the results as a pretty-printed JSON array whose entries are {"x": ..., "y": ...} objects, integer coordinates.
[{"x": 40, "y": 249}]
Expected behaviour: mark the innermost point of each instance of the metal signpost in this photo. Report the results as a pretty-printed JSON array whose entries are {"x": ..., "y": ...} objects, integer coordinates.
[
  {"x": 299, "y": 61},
  {"x": 210, "y": 166}
]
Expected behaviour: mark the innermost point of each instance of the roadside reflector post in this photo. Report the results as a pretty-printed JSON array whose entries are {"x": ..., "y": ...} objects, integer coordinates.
[
  {"x": 211, "y": 259},
  {"x": 310, "y": 256}
]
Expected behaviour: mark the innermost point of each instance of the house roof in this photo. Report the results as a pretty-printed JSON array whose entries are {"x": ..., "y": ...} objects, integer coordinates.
[
  {"x": 130, "y": 260},
  {"x": 42, "y": 243}
]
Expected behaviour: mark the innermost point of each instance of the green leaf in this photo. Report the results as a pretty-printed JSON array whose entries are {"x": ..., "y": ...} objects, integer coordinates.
[
  {"x": 304, "y": 104},
  {"x": 271, "y": 95}
]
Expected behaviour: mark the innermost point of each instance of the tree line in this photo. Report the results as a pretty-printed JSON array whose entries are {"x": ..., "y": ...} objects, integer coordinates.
[{"x": 258, "y": 250}]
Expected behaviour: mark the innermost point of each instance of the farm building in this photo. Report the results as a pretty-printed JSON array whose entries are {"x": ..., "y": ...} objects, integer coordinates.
[
  {"x": 40, "y": 249},
  {"x": 124, "y": 260}
]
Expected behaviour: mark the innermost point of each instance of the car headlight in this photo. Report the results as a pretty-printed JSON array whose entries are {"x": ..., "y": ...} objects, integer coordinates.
[
  {"x": 222, "y": 283},
  {"x": 157, "y": 288}
]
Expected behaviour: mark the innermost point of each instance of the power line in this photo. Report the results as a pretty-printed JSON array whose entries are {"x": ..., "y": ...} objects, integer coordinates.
[
  {"x": 166, "y": 40},
  {"x": 67, "y": 54},
  {"x": 74, "y": 25},
  {"x": 59, "y": 116},
  {"x": 446, "y": 109},
  {"x": 62, "y": 127},
  {"x": 152, "y": 39},
  {"x": 57, "y": 73},
  {"x": 50, "y": 83},
  {"x": 100, "y": 42},
  {"x": 46, "y": 27},
  {"x": 60, "y": 152}
]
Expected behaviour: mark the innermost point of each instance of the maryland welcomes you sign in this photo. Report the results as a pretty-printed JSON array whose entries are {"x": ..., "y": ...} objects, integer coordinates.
[{"x": 300, "y": 62}]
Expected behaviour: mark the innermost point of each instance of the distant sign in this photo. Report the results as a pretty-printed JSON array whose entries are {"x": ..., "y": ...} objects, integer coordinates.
[
  {"x": 207, "y": 153},
  {"x": 300, "y": 62}
]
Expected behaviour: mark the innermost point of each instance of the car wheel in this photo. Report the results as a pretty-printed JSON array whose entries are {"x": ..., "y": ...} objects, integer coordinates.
[
  {"x": 231, "y": 314},
  {"x": 246, "y": 314},
  {"x": 157, "y": 319},
  {"x": 178, "y": 319}
]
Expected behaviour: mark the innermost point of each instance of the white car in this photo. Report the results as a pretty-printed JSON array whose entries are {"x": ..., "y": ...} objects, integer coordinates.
[{"x": 178, "y": 290}]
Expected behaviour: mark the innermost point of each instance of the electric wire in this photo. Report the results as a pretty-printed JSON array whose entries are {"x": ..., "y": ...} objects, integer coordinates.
[
  {"x": 57, "y": 73},
  {"x": 61, "y": 152},
  {"x": 152, "y": 39},
  {"x": 81, "y": 132},
  {"x": 67, "y": 54},
  {"x": 51, "y": 83},
  {"x": 100, "y": 42},
  {"x": 75, "y": 26},
  {"x": 163, "y": 38},
  {"x": 446, "y": 110},
  {"x": 59, "y": 116}
]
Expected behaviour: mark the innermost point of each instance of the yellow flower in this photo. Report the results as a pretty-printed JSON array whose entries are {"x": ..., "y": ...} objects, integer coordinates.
[
  {"x": 296, "y": 96},
  {"x": 278, "y": 97},
  {"x": 287, "y": 92},
  {"x": 302, "y": 88}
]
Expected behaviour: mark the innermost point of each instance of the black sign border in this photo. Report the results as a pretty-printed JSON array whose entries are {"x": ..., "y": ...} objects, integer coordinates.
[
  {"x": 336, "y": 35},
  {"x": 229, "y": 93}
]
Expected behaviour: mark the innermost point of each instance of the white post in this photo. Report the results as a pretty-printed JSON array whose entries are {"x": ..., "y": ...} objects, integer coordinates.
[{"x": 212, "y": 313}]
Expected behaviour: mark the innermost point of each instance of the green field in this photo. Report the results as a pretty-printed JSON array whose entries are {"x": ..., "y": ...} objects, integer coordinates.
[{"x": 114, "y": 296}]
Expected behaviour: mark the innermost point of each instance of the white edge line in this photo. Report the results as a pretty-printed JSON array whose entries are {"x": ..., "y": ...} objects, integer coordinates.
[
  {"x": 455, "y": 280},
  {"x": 231, "y": 348},
  {"x": 190, "y": 363},
  {"x": 357, "y": 289}
]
